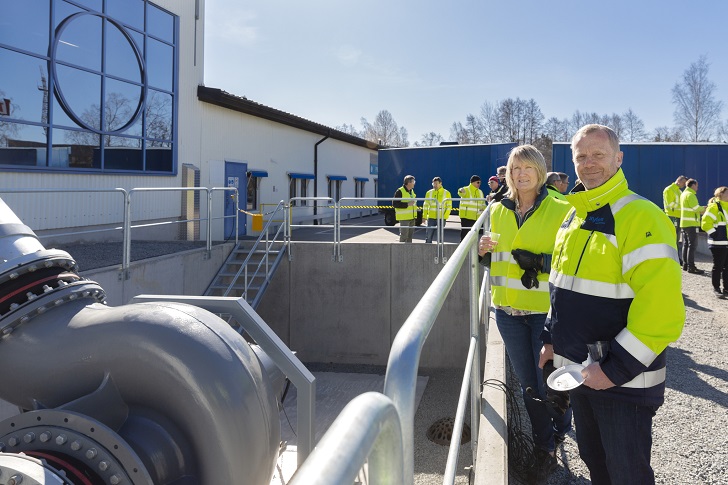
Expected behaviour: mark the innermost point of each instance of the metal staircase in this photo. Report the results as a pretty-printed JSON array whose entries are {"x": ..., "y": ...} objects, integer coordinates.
[{"x": 248, "y": 269}]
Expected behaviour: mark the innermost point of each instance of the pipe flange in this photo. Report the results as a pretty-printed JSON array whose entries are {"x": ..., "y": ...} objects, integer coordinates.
[
  {"x": 27, "y": 470},
  {"x": 68, "y": 434},
  {"x": 53, "y": 297},
  {"x": 28, "y": 263}
]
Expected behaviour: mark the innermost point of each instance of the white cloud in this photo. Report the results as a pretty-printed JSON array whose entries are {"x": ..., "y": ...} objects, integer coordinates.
[
  {"x": 235, "y": 27},
  {"x": 348, "y": 55}
]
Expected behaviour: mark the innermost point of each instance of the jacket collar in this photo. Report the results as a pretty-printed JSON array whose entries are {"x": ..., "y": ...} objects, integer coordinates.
[{"x": 587, "y": 200}]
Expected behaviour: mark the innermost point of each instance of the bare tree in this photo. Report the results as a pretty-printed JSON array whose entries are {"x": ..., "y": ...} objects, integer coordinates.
[
  {"x": 723, "y": 132},
  {"x": 634, "y": 127},
  {"x": 533, "y": 121},
  {"x": 489, "y": 123},
  {"x": 430, "y": 139},
  {"x": 348, "y": 129},
  {"x": 385, "y": 130},
  {"x": 697, "y": 112},
  {"x": 667, "y": 134},
  {"x": 557, "y": 130}
]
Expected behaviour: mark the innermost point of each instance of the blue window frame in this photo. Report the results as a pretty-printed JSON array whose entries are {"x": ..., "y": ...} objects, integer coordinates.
[{"x": 93, "y": 87}]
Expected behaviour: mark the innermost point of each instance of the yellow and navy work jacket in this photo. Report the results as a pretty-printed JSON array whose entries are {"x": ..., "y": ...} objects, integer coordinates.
[
  {"x": 689, "y": 208},
  {"x": 536, "y": 233},
  {"x": 714, "y": 223},
  {"x": 671, "y": 200},
  {"x": 615, "y": 276},
  {"x": 430, "y": 206},
  {"x": 470, "y": 209},
  {"x": 553, "y": 191},
  {"x": 408, "y": 212}
]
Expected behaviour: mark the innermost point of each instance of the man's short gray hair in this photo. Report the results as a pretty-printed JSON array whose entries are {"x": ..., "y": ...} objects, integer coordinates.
[{"x": 589, "y": 129}]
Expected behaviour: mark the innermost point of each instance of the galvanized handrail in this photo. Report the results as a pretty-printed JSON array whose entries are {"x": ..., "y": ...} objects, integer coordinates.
[
  {"x": 126, "y": 257},
  {"x": 343, "y": 447},
  {"x": 376, "y": 438},
  {"x": 264, "y": 238},
  {"x": 404, "y": 357}
]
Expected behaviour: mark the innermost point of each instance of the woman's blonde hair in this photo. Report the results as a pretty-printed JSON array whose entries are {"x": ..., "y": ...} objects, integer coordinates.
[
  {"x": 529, "y": 155},
  {"x": 719, "y": 193}
]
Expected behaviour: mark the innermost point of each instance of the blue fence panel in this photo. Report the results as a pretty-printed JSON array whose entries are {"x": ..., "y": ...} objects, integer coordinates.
[
  {"x": 455, "y": 164},
  {"x": 650, "y": 167}
]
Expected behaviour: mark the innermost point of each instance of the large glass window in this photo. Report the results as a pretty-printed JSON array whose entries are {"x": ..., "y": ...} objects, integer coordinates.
[{"x": 76, "y": 92}]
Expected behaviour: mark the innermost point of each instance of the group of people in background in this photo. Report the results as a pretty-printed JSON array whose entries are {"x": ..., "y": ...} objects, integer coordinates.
[
  {"x": 680, "y": 202},
  {"x": 598, "y": 268},
  {"x": 473, "y": 204}
]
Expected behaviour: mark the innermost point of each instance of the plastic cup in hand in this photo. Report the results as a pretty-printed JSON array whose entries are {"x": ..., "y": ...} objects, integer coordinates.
[{"x": 493, "y": 236}]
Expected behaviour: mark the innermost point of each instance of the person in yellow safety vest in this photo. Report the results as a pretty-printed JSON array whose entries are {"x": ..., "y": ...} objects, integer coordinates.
[
  {"x": 690, "y": 211},
  {"x": 527, "y": 221},
  {"x": 615, "y": 281},
  {"x": 470, "y": 209},
  {"x": 714, "y": 223},
  {"x": 405, "y": 210},
  {"x": 430, "y": 212},
  {"x": 671, "y": 204},
  {"x": 553, "y": 182}
]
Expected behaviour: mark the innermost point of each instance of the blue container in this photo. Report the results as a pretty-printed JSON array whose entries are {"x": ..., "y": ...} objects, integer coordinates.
[
  {"x": 650, "y": 167},
  {"x": 454, "y": 164}
]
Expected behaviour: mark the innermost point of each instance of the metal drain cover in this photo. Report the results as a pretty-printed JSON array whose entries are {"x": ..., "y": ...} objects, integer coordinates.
[{"x": 441, "y": 432}]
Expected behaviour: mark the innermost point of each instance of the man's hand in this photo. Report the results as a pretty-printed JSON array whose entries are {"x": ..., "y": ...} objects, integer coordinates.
[
  {"x": 527, "y": 259},
  {"x": 547, "y": 353},
  {"x": 595, "y": 377}
]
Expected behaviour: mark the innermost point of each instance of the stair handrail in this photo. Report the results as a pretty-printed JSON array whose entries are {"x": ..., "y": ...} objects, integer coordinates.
[{"x": 268, "y": 244}]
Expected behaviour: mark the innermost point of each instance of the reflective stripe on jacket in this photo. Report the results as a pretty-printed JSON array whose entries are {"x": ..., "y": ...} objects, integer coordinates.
[
  {"x": 689, "y": 208},
  {"x": 471, "y": 209},
  {"x": 671, "y": 200},
  {"x": 410, "y": 212},
  {"x": 430, "y": 206},
  {"x": 536, "y": 233},
  {"x": 714, "y": 223},
  {"x": 615, "y": 276}
]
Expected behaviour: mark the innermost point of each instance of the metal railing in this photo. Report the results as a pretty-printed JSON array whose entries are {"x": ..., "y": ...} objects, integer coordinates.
[
  {"x": 347, "y": 203},
  {"x": 400, "y": 388},
  {"x": 127, "y": 226}
]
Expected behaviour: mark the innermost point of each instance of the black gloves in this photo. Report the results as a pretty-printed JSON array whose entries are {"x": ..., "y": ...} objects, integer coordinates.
[
  {"x": 557, "y": 402},
  {"x": 532, "y": 263},
  {"x": 529, "y": 278},
  {"x": 527, "y": 259}
]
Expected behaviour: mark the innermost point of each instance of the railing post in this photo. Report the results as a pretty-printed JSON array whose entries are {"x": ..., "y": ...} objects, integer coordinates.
[
  {"x": 475, "y": 333},
  {"x": 126, "y": 251},
  {"x": 208, "y": 231}
]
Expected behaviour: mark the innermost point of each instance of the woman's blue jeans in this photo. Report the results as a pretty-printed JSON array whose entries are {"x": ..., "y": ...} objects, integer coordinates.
[{"x": 521, "y": 337}]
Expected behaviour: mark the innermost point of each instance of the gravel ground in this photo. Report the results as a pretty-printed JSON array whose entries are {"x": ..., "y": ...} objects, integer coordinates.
[
  {"x": 690, "y": 431},
  {"x": 99, "y": 255}
]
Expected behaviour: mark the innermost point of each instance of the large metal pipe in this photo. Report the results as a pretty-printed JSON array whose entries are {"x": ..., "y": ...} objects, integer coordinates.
[{"x": 176, "y": 365}]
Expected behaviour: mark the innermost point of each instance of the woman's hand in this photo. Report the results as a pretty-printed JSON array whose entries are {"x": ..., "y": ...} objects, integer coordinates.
[{"x": 486, "y": 245}]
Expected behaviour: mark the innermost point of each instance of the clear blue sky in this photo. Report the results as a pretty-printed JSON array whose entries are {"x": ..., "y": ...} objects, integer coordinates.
[{"x": 432, "y": 63}]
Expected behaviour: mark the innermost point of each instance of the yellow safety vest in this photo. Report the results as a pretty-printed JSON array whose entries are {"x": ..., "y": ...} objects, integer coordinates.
[
  {"x": 430, "y": 206},
  {"x": 671, "y": 200},
  {"x": 411, "y": 211},
  {"x": 471, "y": 209},
  {"x": 537, "y": 234},
  {"x": 689, "y": 208}
]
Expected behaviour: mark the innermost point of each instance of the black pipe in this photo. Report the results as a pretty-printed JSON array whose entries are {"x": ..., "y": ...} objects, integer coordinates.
[{"x": 315, "y": 175}]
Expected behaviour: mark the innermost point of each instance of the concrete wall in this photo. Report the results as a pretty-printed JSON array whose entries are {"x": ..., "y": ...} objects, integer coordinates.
[{"x": 350, "y": 311}]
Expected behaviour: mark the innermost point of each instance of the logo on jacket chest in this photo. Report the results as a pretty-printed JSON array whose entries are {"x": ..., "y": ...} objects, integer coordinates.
[{"x": 600, "y": 220}]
